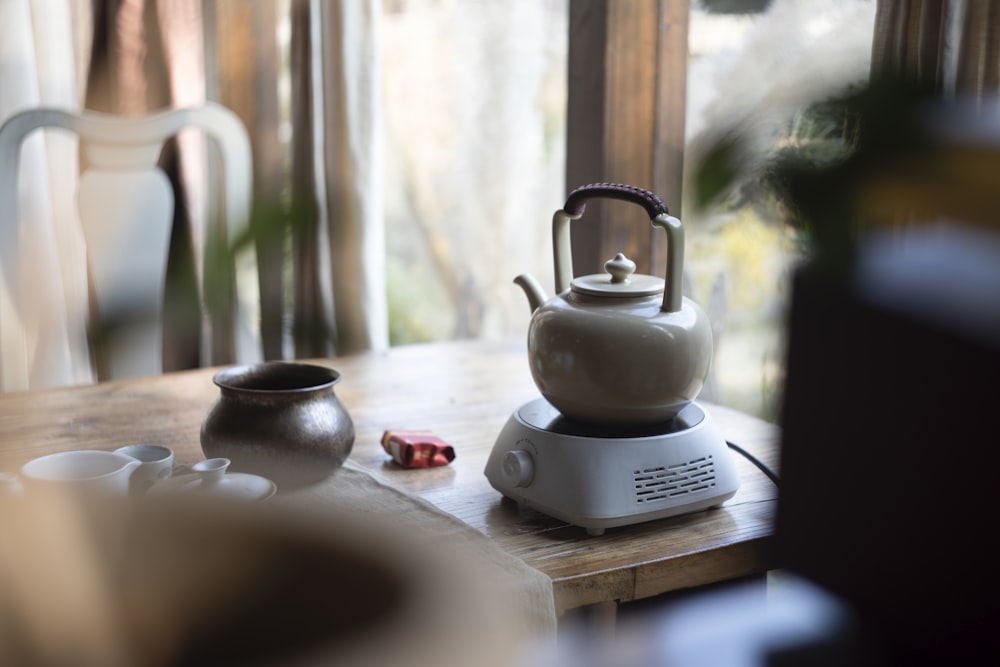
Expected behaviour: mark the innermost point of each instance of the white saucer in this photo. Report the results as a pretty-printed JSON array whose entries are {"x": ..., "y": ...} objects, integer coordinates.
[{"x": 211, "y": 479}]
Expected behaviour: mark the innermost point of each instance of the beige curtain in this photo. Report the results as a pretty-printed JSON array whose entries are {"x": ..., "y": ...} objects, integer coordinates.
[
  {"x": 335, "y": 301},
  {"x": 952, "y": 46},
  {"x": 153, "y": 53},
  {"x": 120, "y": 56},
  {"x": 950, "y": 49},
  {"x": 348, "y": 112},
  {"x": 43, "y": 277}
]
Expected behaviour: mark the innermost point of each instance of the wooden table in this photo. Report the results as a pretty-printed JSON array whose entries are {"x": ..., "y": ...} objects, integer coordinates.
[{"x": 463, "y": 391}]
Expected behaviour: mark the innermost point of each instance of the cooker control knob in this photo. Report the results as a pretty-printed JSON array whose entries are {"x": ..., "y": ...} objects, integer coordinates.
[{"x": 518, "y": 468}]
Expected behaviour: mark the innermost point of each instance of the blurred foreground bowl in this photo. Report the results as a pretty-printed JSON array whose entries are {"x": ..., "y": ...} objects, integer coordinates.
[{"x": 172, "y": 584}]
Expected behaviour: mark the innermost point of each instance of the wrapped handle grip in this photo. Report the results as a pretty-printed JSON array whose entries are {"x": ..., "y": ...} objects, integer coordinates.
[{"x": 576, "y": 203}]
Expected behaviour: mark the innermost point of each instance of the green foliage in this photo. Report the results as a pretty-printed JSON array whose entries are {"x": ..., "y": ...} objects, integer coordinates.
[{"x": 863, "y": 155}]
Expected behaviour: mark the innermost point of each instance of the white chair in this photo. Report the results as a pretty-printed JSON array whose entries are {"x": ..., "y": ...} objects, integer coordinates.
[{"x": 126, "y": 205}]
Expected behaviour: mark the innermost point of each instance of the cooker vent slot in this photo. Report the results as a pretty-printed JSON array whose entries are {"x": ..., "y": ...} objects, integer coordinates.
[{"x": 660, "y": 483}]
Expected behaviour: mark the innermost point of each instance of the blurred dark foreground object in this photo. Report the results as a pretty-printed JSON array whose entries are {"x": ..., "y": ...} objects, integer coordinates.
[
  {"x": 889, "y": 450},
  {"x": 182, "y": 583}
]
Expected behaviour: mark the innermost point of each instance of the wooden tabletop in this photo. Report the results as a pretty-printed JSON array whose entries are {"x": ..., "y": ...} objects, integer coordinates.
[{"x": 464, "y": 391}]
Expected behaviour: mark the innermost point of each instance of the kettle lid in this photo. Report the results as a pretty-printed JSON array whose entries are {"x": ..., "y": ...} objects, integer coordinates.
[{"x": 618, "y": 281}]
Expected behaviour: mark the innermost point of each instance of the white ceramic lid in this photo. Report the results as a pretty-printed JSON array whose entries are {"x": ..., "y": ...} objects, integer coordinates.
[
  {"x": 209, "y": 478},
  {"x": 619, "y": 281}
]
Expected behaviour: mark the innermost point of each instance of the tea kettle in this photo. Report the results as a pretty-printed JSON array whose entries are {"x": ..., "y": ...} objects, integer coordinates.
[{"x": 617, "y": 348}]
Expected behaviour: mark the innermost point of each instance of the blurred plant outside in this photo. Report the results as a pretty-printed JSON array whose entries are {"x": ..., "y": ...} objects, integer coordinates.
[
  {"x": 768, "y": 85},
  {"x": 475, "y": 110}
]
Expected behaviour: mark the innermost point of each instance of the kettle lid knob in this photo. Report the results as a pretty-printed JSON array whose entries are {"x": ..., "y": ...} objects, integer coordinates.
[{"x": 620, "y": 267}]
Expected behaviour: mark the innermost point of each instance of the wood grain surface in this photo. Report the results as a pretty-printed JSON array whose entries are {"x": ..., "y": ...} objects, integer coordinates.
[{"x": 463, "y": 391}]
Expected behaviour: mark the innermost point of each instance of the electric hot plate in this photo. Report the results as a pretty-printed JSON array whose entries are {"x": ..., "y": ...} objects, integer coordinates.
[{"x": 600, "y": 477}]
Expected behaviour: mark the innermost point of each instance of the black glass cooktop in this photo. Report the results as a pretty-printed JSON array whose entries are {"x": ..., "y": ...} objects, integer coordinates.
[{"x": 541, "y": 415}]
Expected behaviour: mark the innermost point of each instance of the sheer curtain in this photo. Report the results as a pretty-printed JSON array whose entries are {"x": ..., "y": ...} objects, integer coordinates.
[
  {"x": 951, "y": 49},
  {"x": 147, "y": 54},
  {"x": 128, "y": 57},
  {"x": 351, "y": 127},
  {"x": 952, "y": 45},
  {"x": 43, "y": 276},
  {"x": 344, "y": 140},
  {"x": 319, "y": 190}
]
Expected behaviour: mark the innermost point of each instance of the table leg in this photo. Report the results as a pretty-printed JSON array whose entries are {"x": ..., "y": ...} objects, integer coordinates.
[{"x": 596, "y": 621}]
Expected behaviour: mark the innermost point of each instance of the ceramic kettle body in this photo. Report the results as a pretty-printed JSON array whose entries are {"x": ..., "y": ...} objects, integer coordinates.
[
  {"x": 618, "y": 364},
  {"x": 616, "y": 348}
]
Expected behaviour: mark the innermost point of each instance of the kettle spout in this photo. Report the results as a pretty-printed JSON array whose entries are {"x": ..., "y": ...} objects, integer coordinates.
[{"x": 534, "y": 292}]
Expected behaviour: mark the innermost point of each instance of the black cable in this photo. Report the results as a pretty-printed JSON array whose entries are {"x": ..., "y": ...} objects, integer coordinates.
[{"x": 754, "y": 460}]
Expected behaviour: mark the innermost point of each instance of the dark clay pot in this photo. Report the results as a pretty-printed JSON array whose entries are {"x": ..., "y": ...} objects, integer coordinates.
[{"x": 280, "y": 420}]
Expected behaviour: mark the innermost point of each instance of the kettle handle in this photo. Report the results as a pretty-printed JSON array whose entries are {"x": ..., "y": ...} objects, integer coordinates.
[{"x": 659, "y": 216}]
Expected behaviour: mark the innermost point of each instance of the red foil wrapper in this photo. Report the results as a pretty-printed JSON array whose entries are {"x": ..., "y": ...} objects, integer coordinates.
[{"x": 417, "y": 448}]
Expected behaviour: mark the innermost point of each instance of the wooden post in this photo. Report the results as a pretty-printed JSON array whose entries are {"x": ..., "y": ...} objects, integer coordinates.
[{"x": 627, "y": 84}]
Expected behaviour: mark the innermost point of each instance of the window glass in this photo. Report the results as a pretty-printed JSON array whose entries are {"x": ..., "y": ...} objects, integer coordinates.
[
  {"x": 474, "y": 95},
  {"x": 475, "y": 98},
  {"x": 758, "y": 74}
]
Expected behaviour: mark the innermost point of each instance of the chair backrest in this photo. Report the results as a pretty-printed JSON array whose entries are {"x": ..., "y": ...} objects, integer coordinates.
[{"x": 126, "y": 206}]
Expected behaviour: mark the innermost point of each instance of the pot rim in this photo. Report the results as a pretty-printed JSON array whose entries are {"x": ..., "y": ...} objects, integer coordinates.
[{"x": 283, "y": 377}]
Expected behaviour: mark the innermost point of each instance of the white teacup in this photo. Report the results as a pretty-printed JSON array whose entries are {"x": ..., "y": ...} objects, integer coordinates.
[
  {"x": 81, "y": 470},
  {"x": 157, "y": 464}
]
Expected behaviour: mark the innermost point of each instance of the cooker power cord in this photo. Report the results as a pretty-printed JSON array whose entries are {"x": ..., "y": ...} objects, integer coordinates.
[{"x": 754, "y": 460}]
